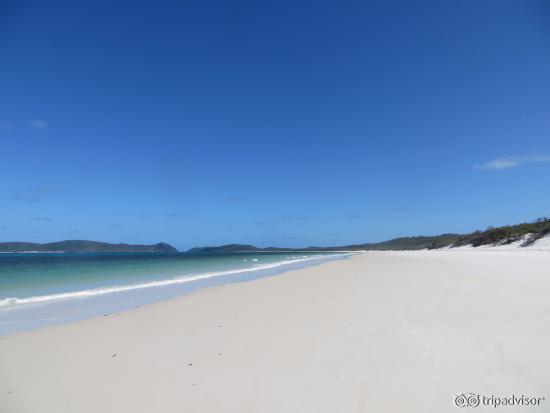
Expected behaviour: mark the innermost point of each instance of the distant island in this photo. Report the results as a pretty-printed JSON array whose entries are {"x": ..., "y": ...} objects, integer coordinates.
[
  {"x": 525, "y": 233},
  {"x": 82, "y": 246}
]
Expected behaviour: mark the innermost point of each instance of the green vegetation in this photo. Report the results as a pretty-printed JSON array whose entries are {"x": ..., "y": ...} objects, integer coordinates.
[
  {"x": 500, "y": 235},
  {"x": 507, "y": 234}
]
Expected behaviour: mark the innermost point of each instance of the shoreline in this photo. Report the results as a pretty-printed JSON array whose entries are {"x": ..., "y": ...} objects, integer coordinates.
[
  {"x": 380, "y": 331},
  {"x": 30, "y": 313}
]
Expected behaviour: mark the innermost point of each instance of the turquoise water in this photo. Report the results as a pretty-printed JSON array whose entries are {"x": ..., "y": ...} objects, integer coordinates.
[{"x": 39, "y": 288}]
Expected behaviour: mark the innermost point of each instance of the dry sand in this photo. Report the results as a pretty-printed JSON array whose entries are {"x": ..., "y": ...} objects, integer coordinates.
[{"x": 379, "y": 332}]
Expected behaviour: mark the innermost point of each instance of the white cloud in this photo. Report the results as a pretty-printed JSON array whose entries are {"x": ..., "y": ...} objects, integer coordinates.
[
  {"x": 39, "y": 124},
  {"x": 508, "y": 162}
]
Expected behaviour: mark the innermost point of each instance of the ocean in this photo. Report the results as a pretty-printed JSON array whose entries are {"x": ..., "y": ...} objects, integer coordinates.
[{"x": 38, "y": 289}]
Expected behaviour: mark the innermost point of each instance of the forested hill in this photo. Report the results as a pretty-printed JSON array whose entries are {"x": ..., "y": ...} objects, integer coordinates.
[
  {"x": 526, "y": 233},
  {"x": 82, "y": 246}
]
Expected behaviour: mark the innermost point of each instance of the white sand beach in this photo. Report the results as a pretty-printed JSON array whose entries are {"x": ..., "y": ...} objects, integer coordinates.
[{"x": 378, "y": 332}]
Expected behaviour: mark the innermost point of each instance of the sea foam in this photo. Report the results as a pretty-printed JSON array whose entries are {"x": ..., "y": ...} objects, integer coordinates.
[{"x": 14, "y": 301}]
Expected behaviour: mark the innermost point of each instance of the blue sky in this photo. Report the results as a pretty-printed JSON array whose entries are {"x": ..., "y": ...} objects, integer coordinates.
[{"x": 284, "y": 123}]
